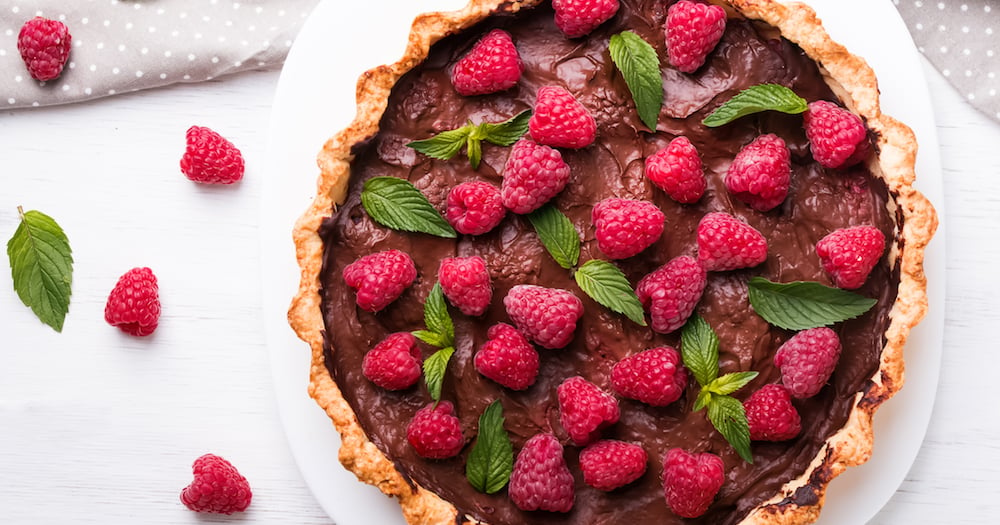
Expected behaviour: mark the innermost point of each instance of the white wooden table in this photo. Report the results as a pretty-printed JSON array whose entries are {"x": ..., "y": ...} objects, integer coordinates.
[{"x": 99, "y": 427}]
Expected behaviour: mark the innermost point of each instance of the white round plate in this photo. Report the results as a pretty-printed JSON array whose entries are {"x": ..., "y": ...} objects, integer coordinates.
[{"x": 315, "y": 98}]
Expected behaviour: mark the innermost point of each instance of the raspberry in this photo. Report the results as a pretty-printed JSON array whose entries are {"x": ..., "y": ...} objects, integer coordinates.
[
  {"x": 576, "y": 18},
  {"x": 380, "y": 278},
  {"x": 671, "y": 292},
  {"x": 474, "y": 208},
  {"x": 217, "y": 487},
  {"x": 691, "y": 481},
  {"x": 807, "y": 360},
  {"x": 210, "y": 158},
  {"x": 609, "y": 464},
  {"x": 466, "y": 283},
  {"x": 771, "y": 415},
  {"x": 585, "y": 409},
  {"x": 395, "y": 363},
  {"x": 547, "y": 316},
  {"x": 625, "y": 227},
  {"x": 134, "y": 303},
  {"x": 44, "y": 46},
  {"x": 837, "y": 137},
  {"x": 435, "y": 432},
  {"x": 532, "y": 175},
  {"x": 727, "y": 243},
  {"x": 677, "y": 170},
  {"x": 692, "y": 32},
  {"x": 849, "y": 254},
  {"x": 560, "y": 120},
  {"x": 655, "y": 376},
  {"x": 508, "y": 358},
  {"x": 761, "y": 172},
  {"x": 492, "y": 65},
  {"x": 540, "y": 479}
]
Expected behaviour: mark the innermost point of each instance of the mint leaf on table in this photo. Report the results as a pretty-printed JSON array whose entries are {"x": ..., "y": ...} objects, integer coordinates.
[
  {"x": 491, "y": 459},
  {"x": 762, "y": 97},
  {"x": 700, "y": 349},
  {"x": 728, "y": 417},
  {"x": 398, "y": 204},
  {"x": 557, "y": 234},
  {"x": 801, "y": 305},
  {"x": 640, "y": 66},
  {"x": 41, "y": 265},
  {"x": 435, "y": 367},
  {"x": 607, "y": 285},
  {"x": 447, "y": 144}
]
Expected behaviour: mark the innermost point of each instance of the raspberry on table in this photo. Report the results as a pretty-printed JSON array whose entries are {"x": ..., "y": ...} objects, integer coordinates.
[
  {"x": 508, "y": 358},
  {"x": 761, "y": 172},
  {"x": 677, "y": 170},
  {"x": 837, "y": 137},
  {"x": 492, "y": 65},
  {"x": 656, "y": 376},
  {"x": 671, "y": 292},
  {"x": 547, "y": 316},
  {"x": 380, "y": 278},
  {"x": 466, "y": 283},
  {"x": 435, "y": 432},
  {"x": 585, "y": 409},
  {"x": 44, "y": 46},
  {"x": 609, "y": 464},
  {"x": 540, "y": 479},
  {"x": 210, "y": 158},
  {"x": 727, "y": 243},
  {"x": 771, "y": 415},
  {"x": 576, "y": 18},
  {"x": 625, "y": 227},
  {"x": 692, "y": 32},
  {"x": 560, "y": 120},
  {"x": 474, "y": 208},
  {"x": 848, "y": 255},
  {"x": 532, "y": 175},
  {"x": 134, "y": 303},
  {"x": 395, "y": 363},
  {"x": 807, "y": 360},
  {"x": 691, "y": 481},
  {"x": 217, "y": 487}
]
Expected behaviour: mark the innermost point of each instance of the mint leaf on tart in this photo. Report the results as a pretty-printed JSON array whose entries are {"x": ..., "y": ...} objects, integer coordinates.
[
  {"x": 447, "y": 144},
  {"x": 754, "y": 99},
  {"x": 728, "y": 417},
  {"x": 440, "y": 332},
  {"x": 435, "y": 367},
  {"x": 607, "y": 285},
  {"x": 700, "y": 350},
  {"x": 557, "y": 234},
  {"x": 436, "y": 316},
  {"x": 730, "y": 383},
  {"x": 507, "y": 132},
  {"x": 801, "y": 305},
  {"x": 41, "y": 264},
  {"x": 396, "y": 203},
  {"x": 640, "y": 66},
  {"x": 491, "y": 459}
]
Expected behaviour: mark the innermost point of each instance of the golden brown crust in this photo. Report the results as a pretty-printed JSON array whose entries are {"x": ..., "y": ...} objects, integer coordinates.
[{"x": 800, "y": 500}]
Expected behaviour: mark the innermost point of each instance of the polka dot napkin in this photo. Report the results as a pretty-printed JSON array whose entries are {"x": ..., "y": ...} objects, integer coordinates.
[{"x": 126, "y": 45}]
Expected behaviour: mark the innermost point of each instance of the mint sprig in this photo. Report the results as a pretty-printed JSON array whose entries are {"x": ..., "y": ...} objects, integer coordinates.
[
  {"x": 640, "y": 66},
  {"x": 396, "y": 203},
  {"x": 607, "y": 285},
  {"x": 447, "y": 144},
  {"x": 700, "y": 353},
  {"x": 762, "y": 97},
  {"x": 801, "y": 305},
  {"x": 440, "y": 332},
  {"x": 491, "y": 459},
  {"x": 41, "y": 265},
  {"x": 435, "y": 367},
  {"x": 557, "y": 234}
]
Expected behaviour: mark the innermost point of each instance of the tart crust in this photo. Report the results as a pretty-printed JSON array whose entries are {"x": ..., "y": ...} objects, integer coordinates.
[{"x": 850, "y": 77}]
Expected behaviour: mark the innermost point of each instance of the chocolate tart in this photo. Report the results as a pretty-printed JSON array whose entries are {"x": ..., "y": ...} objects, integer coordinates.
[{"x": 765, "y": 42}]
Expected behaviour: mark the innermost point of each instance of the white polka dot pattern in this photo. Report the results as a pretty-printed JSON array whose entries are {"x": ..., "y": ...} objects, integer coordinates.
[
  {"x": 126, "y": 45},
  {"x": 960, "y": 37}
]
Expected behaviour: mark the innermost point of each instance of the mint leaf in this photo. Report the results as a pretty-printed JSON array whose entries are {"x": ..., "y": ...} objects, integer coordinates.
[
  {"x": 730, "y": 383},
  {"x": 436, "y": 316},
  {"x": 762, "y": 97},
  {"x": 801, "y": 305},
  {"x": 700, "y": 350},
  {"x": 435, "y": 367},
  {"x": 703, "y": 399},
  {"x": 607, "y": 285},
  {"x": 41, "y": 264},
  {"x": 491, "y": 459},
  {"x": 447, "y": 144},
  {"x": 398, "y": 204},
  {"x": 431, "y": 338},
  {"x": 729, "y": 418},
  {"x": 444, "y": 145},
  {"x": 507, "y": 132},
  {"x": 640, "y": 66},
  {"x": 558, "y": 235}
]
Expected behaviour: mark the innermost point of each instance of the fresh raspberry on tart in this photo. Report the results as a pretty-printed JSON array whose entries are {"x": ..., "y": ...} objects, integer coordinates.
[
  {"x": 691, "y": 481},
  {"x": 466, "y": 283},
  {"x": 548, "y": 316},
  {"x": 491, "y": 65},
  {"x": 560, "y": 120},
  {"x": 761, "y": 172},
  {"x": 394, "y": 363},
  {"x": 585, "y": 409},
  {"x": 849, "y": 254},
  {"x": 727, "y": 243},
  {"x": 508, "y": 358},
  {"x": 576, "y": 18},
  {"x": 435, "y": 432},
  {"x": 540, "y": 479},
  {"x": 677, "y": 170},
  {"x": 771, "y": 415},
  {"x": 671, "y": 292},
  {"x": 807, "y": 360},
  {"x": 837, "y": 137},
  {"x": 655, "y": 376},
  {"x": 610, "y": 464},
  {"x": 475, "y": 208},
  {"x": 626, "y": 227},
  {"x": 693, "y": 29},
  {"x": 533, "y": 175},
  {"x": 380, "y": 278}
]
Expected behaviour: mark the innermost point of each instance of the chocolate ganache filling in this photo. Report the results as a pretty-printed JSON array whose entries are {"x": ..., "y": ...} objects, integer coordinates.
[{"x": 819, "y": 201}]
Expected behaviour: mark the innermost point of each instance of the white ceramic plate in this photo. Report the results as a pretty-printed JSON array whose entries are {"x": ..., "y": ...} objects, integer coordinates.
[{"x": 315, "y": 98}]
